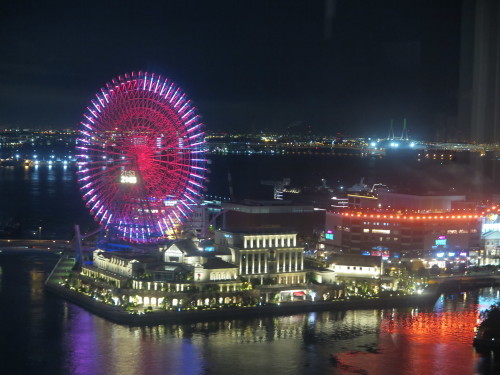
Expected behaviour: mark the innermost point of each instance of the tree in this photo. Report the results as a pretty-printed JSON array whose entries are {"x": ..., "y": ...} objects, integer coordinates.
[
  {"x": 422, "y": 272},
  {"x": 310, "y": 277},
  {"x": 211, "y": 288},
  {"x": 255, "y": 281}
]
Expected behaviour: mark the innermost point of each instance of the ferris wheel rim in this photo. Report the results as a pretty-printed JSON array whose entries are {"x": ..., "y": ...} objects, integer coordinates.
[{"x": 159, "y": 152}]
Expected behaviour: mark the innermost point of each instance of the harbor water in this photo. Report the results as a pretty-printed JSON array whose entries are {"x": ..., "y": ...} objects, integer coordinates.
[{"x": 43, "y": 334}]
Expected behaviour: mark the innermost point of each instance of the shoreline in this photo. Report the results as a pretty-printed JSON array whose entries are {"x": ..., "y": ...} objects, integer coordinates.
[{"x": 119, "y": 316}]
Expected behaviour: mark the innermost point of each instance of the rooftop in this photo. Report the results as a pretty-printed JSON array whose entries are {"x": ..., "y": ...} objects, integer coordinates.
[
  {"x": 270, "y": 230},
  {"x": 129, "y": 255},
  {"x": 266, "y": 207},
  {"x": 216, "y": 263},
  {"x": 187, "y": 246},
  {"x": 356, "y": 260}
]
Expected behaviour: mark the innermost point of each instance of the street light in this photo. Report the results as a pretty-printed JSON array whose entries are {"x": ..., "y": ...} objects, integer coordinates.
[{"x": 39, "y": 233}]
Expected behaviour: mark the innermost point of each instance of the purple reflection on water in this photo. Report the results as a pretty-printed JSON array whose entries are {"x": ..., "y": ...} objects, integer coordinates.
[
  {"x": 96, "y": 346},
  {"x": 82, "y": 343}
]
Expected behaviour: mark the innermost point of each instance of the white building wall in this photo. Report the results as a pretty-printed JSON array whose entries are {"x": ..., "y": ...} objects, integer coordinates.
[{"x": 356, "y": 271}]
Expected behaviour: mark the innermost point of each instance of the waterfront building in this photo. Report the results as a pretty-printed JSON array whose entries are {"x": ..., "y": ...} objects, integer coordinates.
[
  {"x": 418, "y": 203},
  {"x": 271, "y": 257},
  {"x": 121, "y": 264},
  {"x": 405, "y": 202},
  {"x": 198, "y": 220},
  {"x": 490, "y": 246},
  {"x": 182, "y": 251},
  {"x": 356, "y": 266},
  {"x": 362, "y": 201},
  {"x": 490, "y": 236},
  {"x": 391, "y": 232},
  {"x": 215, "y": 270},
  {"x": 255, "y": 214},
  {"x": 453, "y": 260},
  {"x": 202, "y": 217},
  {"x": 325, "y": 276},
  {"x": 271, "y": 254},
  {"x": 95, "y": 273},
  {"x": 169, "y": 272}
]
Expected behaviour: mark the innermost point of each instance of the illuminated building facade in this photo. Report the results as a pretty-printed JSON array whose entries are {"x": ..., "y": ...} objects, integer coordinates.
[
  {"x": 362, "y": 201},
  {"x": 388, "y": 232},
  {"x": 490, "y": 237},
  {"x": 490, "y": 243},
  {"x": 118, "y": 264},
  {"x": 261, "y": 254},
  {"x": 356, "y": 266}
]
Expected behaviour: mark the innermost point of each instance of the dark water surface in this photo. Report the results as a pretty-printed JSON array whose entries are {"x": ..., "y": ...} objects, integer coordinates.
[
  {"x": 42, "y": 334},
  {"x": 48, "y": 197}
]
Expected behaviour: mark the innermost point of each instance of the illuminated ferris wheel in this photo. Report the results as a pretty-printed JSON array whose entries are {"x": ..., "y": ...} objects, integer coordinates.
[{"x": 140, "y": 154}]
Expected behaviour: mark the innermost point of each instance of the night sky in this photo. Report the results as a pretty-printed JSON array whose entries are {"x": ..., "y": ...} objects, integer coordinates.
[{"x": 345, "y": 65}]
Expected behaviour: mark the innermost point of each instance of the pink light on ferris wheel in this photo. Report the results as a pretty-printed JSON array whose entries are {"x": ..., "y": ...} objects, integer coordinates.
[{"x": 141, "y": 157}]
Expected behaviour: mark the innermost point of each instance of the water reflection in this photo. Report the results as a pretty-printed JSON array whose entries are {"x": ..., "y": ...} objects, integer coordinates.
[
  {"x": 408, "y": 341},
  {"x": 487, "y": 299},
  {"x": 97, "y": 346},
  {"x": 37, "y": 278},
  {"x": 46, "y": 335}
]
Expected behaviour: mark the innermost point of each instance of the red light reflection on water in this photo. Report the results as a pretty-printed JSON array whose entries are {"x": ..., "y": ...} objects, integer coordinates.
[{"x": 418, "y": 343}]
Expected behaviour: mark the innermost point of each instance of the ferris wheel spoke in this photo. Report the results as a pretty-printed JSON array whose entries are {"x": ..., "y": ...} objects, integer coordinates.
[
  {"x": 104, "y": 195},
  {"x": 100, "y": 172},
  {"x": 104, "y": 151},
  {"x": 175, "y": 149},
  {"x": 107, "y": 169},
  {"x": 168, "y": 162}
]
